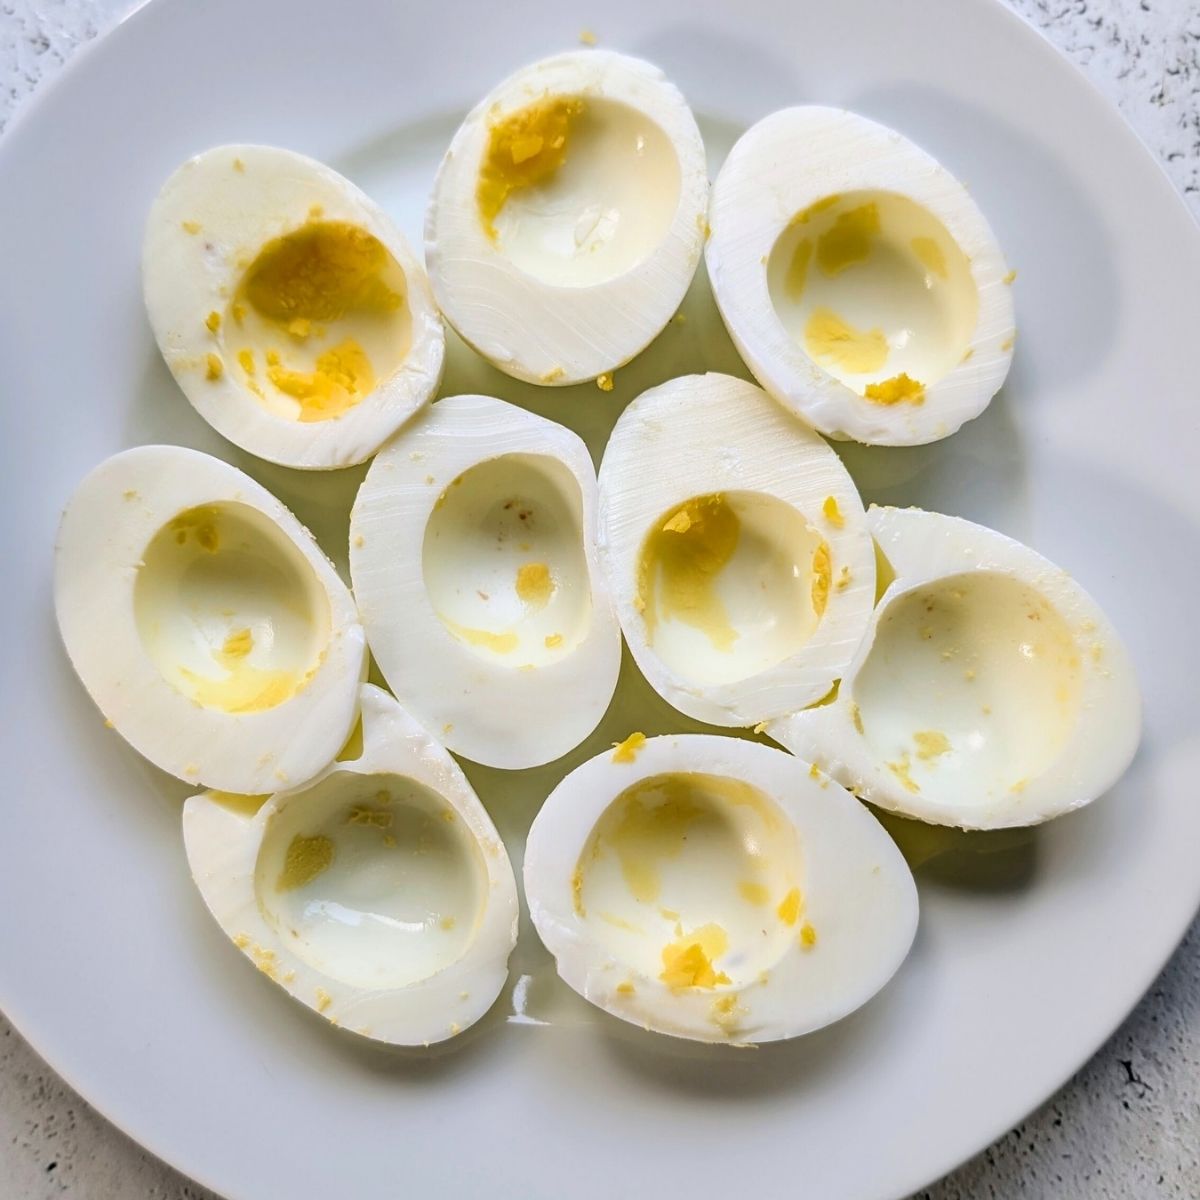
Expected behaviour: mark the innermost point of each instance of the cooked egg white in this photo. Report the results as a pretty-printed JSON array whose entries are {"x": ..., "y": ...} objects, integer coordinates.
[
  {"x": 860, "y": 282},
  {"x": 288, "y": 306},
  {"x": 205, "y": 622},
  {"x": 568, "y": 216},
  {"x": 472, "y": 550},
  {"x": 716, "y": 889},
  {"x": 736, "y": 550},
  {"x": 990, "y": 690},
  {"x": 379, "y": 895}
]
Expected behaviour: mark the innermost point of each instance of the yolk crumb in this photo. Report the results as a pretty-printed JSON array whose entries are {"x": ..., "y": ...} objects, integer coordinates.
[
  {"x": 830, "y": 339},
  {"x": 832, "y": 513},
  {"x": 627, "y": 751},
  {"x": 246, "y": 359},
  {"x": 808, "y": 936},
  {"x": 625, "y": 989},
  {"x": 790, "y": 906},
  {"x": 822, "y": 576},
  {"x": 341, "y": 379},
  {"x": 931, "y": 744},
  {"x": 679, "y": 566},
  {"x": 605, "y": 381},
  {"x": 688, "y": 962},
  {"x": 525, "y": 148},
  {"x": 213, "y": 321},
  {"x": 897, "y": 390},
  {"x": 214, "y": 368},
  {"x": 305, "y": 859},
  {"x": 553, "y": 641},
  {"x": 324, "y": 1000},
  {"x": 192, "y": 227}
]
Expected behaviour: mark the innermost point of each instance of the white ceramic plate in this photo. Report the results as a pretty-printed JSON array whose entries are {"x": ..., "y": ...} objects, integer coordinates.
[{"x": 109, "y": 964}]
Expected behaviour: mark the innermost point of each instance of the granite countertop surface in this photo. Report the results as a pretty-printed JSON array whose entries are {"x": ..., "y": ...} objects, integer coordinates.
[{"x": 1127, "y": 1127}]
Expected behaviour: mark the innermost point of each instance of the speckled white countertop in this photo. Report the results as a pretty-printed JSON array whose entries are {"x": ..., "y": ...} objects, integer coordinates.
[{"x": 1128, "y": 1126}]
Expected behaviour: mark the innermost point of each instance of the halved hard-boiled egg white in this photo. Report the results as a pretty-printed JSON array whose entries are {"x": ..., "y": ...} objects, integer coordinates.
[
  {"x": 990, "y": 690},
  {"x": 472, "y": 550},
  {"x": 716, "y": 889},
  {"x": 206, "y": 623},
  {"x": 568, "y": 216},
  {"x": 858, "y": 279},
  {"x": 736, "y": 550},
  {"x": 380, "y": 894},
  {"x": 288, "y": 306}
]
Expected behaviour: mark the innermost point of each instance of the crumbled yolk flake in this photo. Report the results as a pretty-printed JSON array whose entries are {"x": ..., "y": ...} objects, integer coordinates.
[
  {"x": 725, "y": 1011},
  {"x": 342, "y": 377},
  {"x": 214, "y": 368},
  {"x": 524, "y": 149},
  {"x": 789, "y": 907},
  {"x": 931, "y": 744},
  {"x": 627, "y": 751},
  {"x": 808, "y": 936},
  {"x": 822, "y": 574},
  {"x": 901, "y": 768},
  {"x": 577, "y": 892},
  {"x": 605, "y": 381},
  {"x": 679, "y": 565},
  {"x": 587, "y": 37},
  {"x": 535, "y": 584},
  {"x": 832, "y": 513},
  {"x": 899, "y": 389},
  {"x": 246, "y": 360},
  {"x": 625, "y": 989},
  {"x": 688, "y": 962},
  {"x": 324, "y": 1000},
  {"x": 1010, "y": 277},
  {"x": 213, "y": 321},
  {"x": 856, "y": 717},
  {"x": 553, "y": 641},
  {"x": 830, "y": 339},
  {"x": 305, "y": 859},
  {"x": 192, "y": 227}
]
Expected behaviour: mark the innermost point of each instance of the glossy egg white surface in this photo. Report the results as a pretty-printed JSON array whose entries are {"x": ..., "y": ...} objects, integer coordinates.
[
  {"x": 568, "y": 216},
  {"x": 990, "y": 690},
  {"x": 380, "y": 894},
  {"x": 207, "y": 625},
  {"x": 717, "y": 890},
  {"x": 858, "y": 278},
  {"x": 288, "y": 306}
]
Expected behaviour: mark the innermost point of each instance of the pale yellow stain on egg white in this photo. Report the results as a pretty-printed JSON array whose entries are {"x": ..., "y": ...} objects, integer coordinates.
[
  {"x": 577, "y": 892},
  {"x": 856, "y": 717},
  {"x": 902, "y": 769},
  {"x": 831, "y": 340},
  {"x": 797, "y": 271},
  {"x": 304, "y": 860},
  {"x": 931, "y": 744},
  {"x": 235, "y": 802},
  {"x": 620, "y": 923},
  {"x": 689, "y": 961},
  {"x": 930, "y": 256},
  {"x": 754, "y": 893},
  {"x": 525, "y": 148},
  {"x": 535, "y": 584},
  {"x": 848, "y": 241},
  {"x": 244, "y": 687},
  {"x": 815, "y": 209},
  {"x": 680, "y": 563},
  {"x": 364, "y": 814},
  {"x": 498, "y": 643},
  {"x": 627, "y": 751}
]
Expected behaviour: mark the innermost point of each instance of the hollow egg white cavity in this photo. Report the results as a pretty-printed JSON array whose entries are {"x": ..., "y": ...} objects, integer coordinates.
[
  {"x": 858, "y": 279},
  {"x": 205, "y": 622},
  {"x": 380, "y": 894},
  {"x": 990, "y": 690},
  {"x": 736, "y": 550},
  {"x": 715, "y": 889},
  {"x": 288, "y": 306},
  {"x": 568, "y": 216},
  {"x": 472, "y": 550}
]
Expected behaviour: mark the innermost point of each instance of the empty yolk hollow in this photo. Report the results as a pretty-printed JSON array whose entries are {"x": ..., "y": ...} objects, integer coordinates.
[
  {"x": 875, "y": 290},
  {"x": 229, "y": 609},
  {"x": 970, "y": 690},
  {"x": 729, "y": 584},
  {"x": 525, "y": 148},
  {"x": 325, "y": 303},
  {"x": 371, "y": 879},
  {"x": 679, "y": 877}
]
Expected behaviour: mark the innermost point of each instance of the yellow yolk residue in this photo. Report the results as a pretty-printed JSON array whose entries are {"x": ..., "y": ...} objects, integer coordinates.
[
  {"x": 577, "y": 892},
  {"x": 525, "y": 148},
  {"x": 901, "y": 769},
  {"x": 848, "y": 241},
  {"x": 822, "y": 575},
  {"x": 819, "y": 206},
  {"x": 897, "y": 390},
  {"x": 929, "y": 255},
  {"x": 498, "y": 643},
  {"x": 808, "y": 936},
  {"x": 341, "y": 378},
  {"x": 832, "y": 513},
  {"x": 237, "y": 645},
  {"x": 214, "y": 368},
  {"x": 688, "y": 962},
  {"x": 679, "y": 566},
  {"x": 625, "y": 989},
  {"x": 789, "y": 907},
  {"x": 535, "y": 585},
  {"x": 324, "y": 1000},
  {"x": 831, "y": 340},
  {"x": 931, "y": 744},
  {"x": 553, "y": 641},
  {"x": 627, "y": 751},
  {"x": 797, "y": 272},
  {"x": 754, "y": 893},
  {"x": 305, "y": 859}
]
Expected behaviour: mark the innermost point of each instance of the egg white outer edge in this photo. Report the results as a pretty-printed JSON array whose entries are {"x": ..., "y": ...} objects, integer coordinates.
[
  {"x": 922, "y": 548},
  {"x": 101, "y": 540},
  {"x": 499, "y": 716},
  {"x": 222, "y": 850},
  {"x": 713, "y": 433},
  {"x": 780, "y": 166},
  {"x": 541, "y": 332},
  {"x": 863, "y": 907},
  {"x": 183, "y": 276}
]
